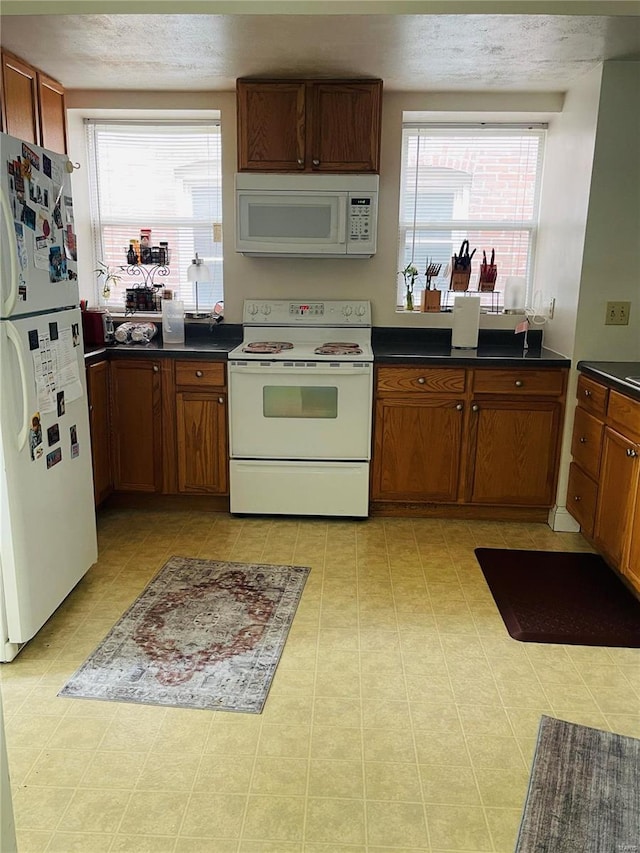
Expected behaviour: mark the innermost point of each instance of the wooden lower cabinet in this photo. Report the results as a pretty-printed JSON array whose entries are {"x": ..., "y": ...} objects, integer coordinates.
[
  {"x": 513, "y": 452},
  {"x": 100, "y": 426},
  {"x": 482, "y": 439},
  {"x": 631, "y": 565},
  {"x": 417, "y": 449},
  {"x": 201, "y": 429},
  {"x": 616, "y": 492},
  {"x": 136, "y": 423}
]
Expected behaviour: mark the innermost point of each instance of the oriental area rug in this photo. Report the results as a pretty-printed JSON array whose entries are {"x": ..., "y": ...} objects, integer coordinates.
[
  {"x": 203, "y": 634},
  {"x": 583, "y": 792},
  {"x": 561, "y": 597}
]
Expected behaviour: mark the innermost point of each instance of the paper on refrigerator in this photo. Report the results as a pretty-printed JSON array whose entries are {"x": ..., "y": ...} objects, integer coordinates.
[{"x": 55, "y": 368}]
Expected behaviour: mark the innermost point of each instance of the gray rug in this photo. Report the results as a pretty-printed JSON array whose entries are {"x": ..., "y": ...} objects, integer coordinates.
[
  {"x": 203, "y": 634},
  {"x": 584, "y": 792}
]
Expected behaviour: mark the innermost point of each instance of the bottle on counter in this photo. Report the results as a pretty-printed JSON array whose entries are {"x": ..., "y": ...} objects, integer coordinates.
[{"x": 132, "y": 258}]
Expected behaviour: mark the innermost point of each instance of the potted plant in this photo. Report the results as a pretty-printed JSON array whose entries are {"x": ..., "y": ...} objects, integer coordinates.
[
  {"x": 409, "y": 273},
  {"x": 110, "y": 277}
]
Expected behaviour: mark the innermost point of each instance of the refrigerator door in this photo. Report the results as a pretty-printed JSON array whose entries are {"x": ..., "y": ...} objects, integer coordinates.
[
  {"x": 46, "y": 487},
  {"x": 38, "y": 270}
]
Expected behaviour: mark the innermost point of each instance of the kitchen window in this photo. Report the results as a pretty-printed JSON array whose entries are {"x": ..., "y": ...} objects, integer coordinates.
[
  {"x": 479, "y": 183},
  {"x": 162, "y": 176}
]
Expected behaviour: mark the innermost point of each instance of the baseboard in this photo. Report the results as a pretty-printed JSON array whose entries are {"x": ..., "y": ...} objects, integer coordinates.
[{"x": 562, "y": 521}]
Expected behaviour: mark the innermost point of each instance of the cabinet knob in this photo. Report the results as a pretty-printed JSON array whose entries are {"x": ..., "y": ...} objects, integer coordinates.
[
  {"x": 155, "y": 368},
  {"x": 221, "y": 400},
  {"x": 421, "y": 380},
  {"x": 577, "y": 498},
  {"x": 631, "y": 453},
  {"x": 316, "y": 162},
  {"x": 475, "y": 408},
  {"x": 90, "y": 408},
  {"x": 583, "y": 440},
  {"x": 459, "y": 407},
  {"x": 587, "y": 393},
  {"x": 300, "y": 162},
  {"x": 519, "y": 383},
  {"x": 199, "y": 373}
]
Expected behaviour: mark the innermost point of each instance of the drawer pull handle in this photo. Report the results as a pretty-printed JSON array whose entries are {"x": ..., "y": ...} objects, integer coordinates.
[
  {"x": 155, "y": 368},
  {"x": 459, "y": 407},
  {"x": 587, "y": 393},
  {"x": 583, "y": 440},
  {"x": 475, "y": 408},
  {"x": 221, "y": 399},
  {"x": 316, "y": 162},
  {"x": 198, "y": 373},
  {"x": 519, "y": 383},
  {"x": 421, "y": 380},
  {"x": 577, "y": 498},
  {"x": 300, "y": 162},
  {"x": 631, "y": 453}
]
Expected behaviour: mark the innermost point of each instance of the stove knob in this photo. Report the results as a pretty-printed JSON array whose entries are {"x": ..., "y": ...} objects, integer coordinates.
[
  {"x": 252, "y": 309},
  {"x": 347, "y": 310},
  {"x": 266, "y": 310},
  {"x": 360, "y": 310}
]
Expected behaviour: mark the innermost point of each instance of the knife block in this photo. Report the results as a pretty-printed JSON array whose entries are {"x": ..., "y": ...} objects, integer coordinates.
[{"x": 459, "y": 278}]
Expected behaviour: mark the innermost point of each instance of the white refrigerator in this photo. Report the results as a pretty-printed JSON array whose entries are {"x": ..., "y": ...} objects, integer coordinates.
[{"x": 47, "y": 517}]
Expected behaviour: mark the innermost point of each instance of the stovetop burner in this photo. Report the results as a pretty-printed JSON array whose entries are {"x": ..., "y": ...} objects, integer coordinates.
[
  {"x": 339, "y": 348},
  {"x": 267, "y": 346}
]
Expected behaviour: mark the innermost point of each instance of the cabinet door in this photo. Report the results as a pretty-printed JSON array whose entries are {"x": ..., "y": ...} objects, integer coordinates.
[
  {"x": 137, "y": 425},
  {"x": 513, "y": 452},
  {"x": 99, "y": 422},
  {"x": 53, "y": 118},
  {"x": 417, "y": 449},
  {"x": 271, "y": 126},
  {"x": 20, "y": 105},
  {"x": 631, "y": 566},
  {"x": 202, "y": 442},
  {"x": 618, "y": 477},
  {"x": 343, "y": 133}
]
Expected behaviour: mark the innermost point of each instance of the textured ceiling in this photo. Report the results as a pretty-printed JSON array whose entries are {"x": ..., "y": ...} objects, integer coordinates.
[{"x": 409, "y": 52}]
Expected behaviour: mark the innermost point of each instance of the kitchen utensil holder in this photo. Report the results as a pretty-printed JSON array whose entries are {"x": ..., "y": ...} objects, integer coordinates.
[{"x": 430, "y": 301}]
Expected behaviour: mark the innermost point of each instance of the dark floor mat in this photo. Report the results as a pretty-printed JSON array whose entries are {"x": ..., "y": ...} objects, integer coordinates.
[{"x": 557, "y": 597}]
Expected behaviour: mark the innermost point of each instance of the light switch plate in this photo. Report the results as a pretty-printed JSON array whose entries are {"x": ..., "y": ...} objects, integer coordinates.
[{"x": 617, "y": 314}]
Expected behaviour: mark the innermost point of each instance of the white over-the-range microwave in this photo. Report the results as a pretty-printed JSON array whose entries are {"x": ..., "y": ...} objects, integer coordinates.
[{"x": 310, "y": 216}]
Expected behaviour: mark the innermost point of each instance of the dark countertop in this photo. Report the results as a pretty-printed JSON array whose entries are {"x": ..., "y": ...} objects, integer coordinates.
[
  {"x": 391, "y": 345},
  {"x": 613, "y": 374},
  {"x": 496, "y": 348}
]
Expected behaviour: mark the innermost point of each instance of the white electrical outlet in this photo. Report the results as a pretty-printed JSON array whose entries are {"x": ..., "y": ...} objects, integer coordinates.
[
  {"x": 551, "y": 307},
  {"x": 617, "y": 314}
]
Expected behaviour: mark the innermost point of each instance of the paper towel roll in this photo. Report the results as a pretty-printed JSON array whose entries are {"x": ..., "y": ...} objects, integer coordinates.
[{"x": 466, "y": 319}]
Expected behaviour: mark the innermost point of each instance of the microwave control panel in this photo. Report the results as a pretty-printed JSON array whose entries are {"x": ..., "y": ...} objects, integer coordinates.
[{"x": 360, "y": 218}]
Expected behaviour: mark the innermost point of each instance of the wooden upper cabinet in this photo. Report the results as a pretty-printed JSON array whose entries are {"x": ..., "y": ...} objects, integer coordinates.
[
  {"x": 33, "y": 107},
  {"x": 53, "y": 116},
  {"x": 309, "y": 125},
  {"x": 20, "y": 99},
  {"x": 271, "y": 126}
]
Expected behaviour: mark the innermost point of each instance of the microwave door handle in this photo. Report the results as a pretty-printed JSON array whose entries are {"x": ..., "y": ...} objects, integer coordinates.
[{"x": 342, "y": 219}]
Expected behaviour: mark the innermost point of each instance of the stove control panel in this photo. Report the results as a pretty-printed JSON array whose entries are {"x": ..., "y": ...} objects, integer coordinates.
[{"x": 329, "y": 312}]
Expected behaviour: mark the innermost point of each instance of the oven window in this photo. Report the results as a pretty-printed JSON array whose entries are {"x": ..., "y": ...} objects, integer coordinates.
[{"x": 285, "y": 401}]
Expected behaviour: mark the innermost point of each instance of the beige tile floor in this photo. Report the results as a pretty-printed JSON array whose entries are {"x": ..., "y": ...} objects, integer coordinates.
[{"x": 402, "y": 716}]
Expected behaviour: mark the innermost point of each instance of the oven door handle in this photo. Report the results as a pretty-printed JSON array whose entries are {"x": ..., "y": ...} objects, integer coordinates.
[{"x": 301, "y": 371}]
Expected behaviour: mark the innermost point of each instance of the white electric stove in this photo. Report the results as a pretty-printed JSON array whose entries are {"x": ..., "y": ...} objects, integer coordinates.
[{"x": 300, "y": 408}]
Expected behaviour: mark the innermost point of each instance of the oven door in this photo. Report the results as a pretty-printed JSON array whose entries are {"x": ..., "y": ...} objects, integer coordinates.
[{"x": 313, "y": 411}]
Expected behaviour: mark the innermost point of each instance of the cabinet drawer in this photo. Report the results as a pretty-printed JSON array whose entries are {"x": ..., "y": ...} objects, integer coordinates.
[
  {"x": 547, "y": 383},
  {"x": 592, "y": 396},
  {"x": 420, "y": 379},
  {"x": 625, "y": 414},
  {"x": 586, "y": 444},
  {"x": 199, "y": 373},
  {"x": 582, "y": 494}
]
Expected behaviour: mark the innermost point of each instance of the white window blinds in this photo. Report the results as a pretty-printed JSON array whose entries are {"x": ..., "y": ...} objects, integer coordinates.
[
  {"x": 165, "y": 177},
  {"x": 478, "y": 183}
]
